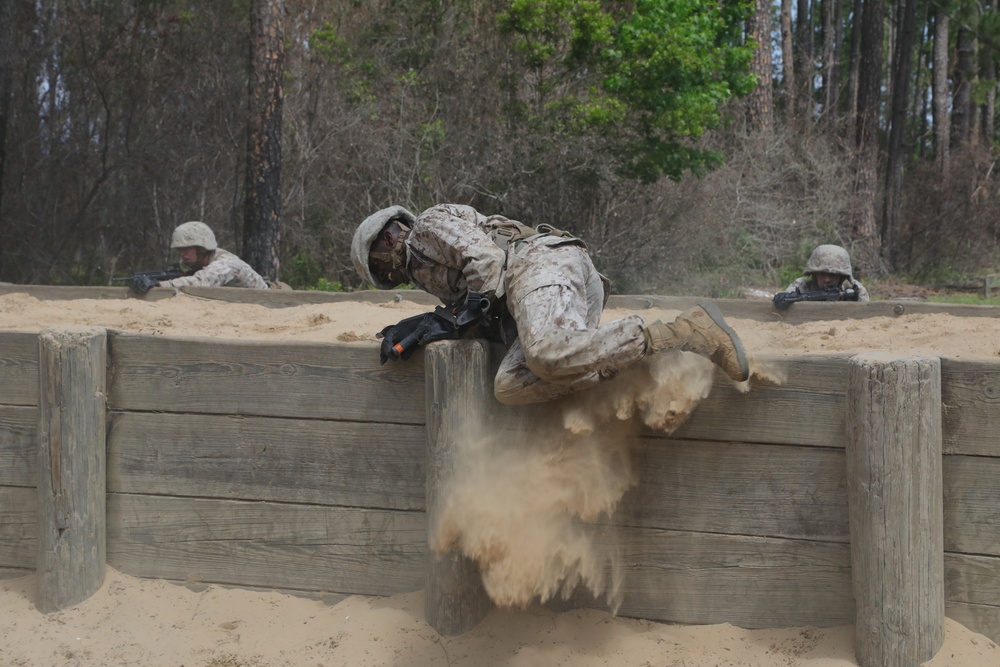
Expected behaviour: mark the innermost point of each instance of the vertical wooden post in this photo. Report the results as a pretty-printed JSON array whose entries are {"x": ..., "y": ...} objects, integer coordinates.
[
  {"x": 459, "y": 389},
  {"x": 72, "y": 373},
  {"x": 894, "y": 478}
]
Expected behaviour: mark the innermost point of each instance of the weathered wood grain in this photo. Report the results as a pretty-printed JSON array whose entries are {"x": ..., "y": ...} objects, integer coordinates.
[
  {"x": 71, "y": 466},
  {"x": 894, "y": 475},
  {"x": 792, "y": 401},
  {"x": 970, "y": 396},
  {"x": 18, "y": 368},
  {"x": 459, "y": 396},
  {"x": 18, "y": 445},
  {"x": 972, "y": 579},
  {"x": 763, "y": 310},
  {"x": 738, "y": 488},
  {"x": 292, "y": 298},
  {"x": 752, "y": 582},
  {"x": 18, "y": 528},
  {"x": 972, "y": 504},
  {"x": 274, "y": 378},
  {"x": 806, "y": 408},
  {"x": 270, "y": 545},
  {"x": 264, "y": 458}
]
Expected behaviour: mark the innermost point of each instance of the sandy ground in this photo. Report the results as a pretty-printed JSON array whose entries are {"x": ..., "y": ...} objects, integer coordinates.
[{"x": 154, "y": 623}]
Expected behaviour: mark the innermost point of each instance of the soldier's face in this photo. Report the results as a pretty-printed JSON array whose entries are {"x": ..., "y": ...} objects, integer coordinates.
[
  {"x": 825, "y": 280},
  {"x": 380, "y": 266},
  {"x": 193, "y": 257}
]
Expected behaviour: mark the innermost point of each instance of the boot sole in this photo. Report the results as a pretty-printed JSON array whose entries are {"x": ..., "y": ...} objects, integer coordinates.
[{"x": 716, "y": 315}]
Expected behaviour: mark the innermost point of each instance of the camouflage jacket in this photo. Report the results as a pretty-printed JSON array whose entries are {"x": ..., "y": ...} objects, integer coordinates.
[{"x": 224, "y": 269}]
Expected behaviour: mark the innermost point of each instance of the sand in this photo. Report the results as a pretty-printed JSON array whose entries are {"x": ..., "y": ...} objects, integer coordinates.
[{"x": 153, "y": 623}]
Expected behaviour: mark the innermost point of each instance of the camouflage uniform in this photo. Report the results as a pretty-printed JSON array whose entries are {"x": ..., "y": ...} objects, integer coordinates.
[
  {"x": 832, "y": 259},
  {"x": 224, "y": 269},
  {"x": 553, "y": 292}
]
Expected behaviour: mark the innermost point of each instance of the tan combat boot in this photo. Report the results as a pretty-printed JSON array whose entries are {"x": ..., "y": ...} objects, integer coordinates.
[{"x": 702, "y": 330}]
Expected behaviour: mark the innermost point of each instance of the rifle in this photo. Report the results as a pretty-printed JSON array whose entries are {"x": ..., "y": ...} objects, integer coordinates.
[
  {"x": 782, "y": 300},
  {"x": 142, "y": 281},
  {"x": 470, "y": 319}
]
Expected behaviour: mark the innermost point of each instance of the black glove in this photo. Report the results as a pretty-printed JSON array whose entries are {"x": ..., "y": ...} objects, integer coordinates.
[
  {"x": 142, "y": 283},
  {"x": 781, "y": 300},
  {"x": 400, "y": 340}
]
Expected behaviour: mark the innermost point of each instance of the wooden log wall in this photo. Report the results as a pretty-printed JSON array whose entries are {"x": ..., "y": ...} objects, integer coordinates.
[
  {"x": 302, "y": 467},
  {"x": 18, "y": 453},
  {"x": 271, "y": 465}
]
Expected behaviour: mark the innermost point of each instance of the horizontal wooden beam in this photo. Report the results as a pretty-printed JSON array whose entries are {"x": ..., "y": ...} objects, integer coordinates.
[
  {"x": 270, "y": 545},
  {"x": 262, "y": 458},
  {"x": 263, "y": 378},
  {"x": 18, "y": 445}
]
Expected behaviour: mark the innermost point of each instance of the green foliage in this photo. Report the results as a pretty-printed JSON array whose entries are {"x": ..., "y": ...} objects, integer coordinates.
[
  {"x": 324, "y": 285},
  {"x": 302, "y": 271},
  {"x": 665, "y": 68},
  {"x": 966, "y": 299},
  {"x": 787, "y": 274}
]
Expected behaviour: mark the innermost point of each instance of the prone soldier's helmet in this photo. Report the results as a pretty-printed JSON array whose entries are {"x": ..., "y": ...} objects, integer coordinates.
[
  {"x": 194, "y": 233},
  {"x": 829, "y": 259},
  {"x": 366, "y": 234}
]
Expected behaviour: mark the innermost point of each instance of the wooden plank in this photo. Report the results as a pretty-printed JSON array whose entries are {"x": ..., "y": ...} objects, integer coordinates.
[
  {"x": 737, "y": 488},
  {"x": 292, "y": 298},
  {"x": 272, "y": 378},
  {"x": 71, "y": 466},
  {"x": 271, "y": 545},
  {"x": 18, "y": 368},
  {"x": 970, "y": 394},
  {"x": 806, "y": 408},
  {"x": 763, "y": 310},
  {"x": 984, "y": 619},
  {"x": 15, "y": 572},
  {"x": 270, "y": 298},
  {"x": 263, "y": 458},
  {"x": 18, "y": 445},
  {"x": 972, "y": 579},
  {"x": 972, "y": 505},
  {"x": 800, "y": 402},
  {"x": 752, "y": 582},
  {"x": 18, "y": 527}
]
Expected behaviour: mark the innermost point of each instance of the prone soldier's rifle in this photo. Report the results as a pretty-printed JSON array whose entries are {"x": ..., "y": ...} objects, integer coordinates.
[
  {"x": 142, "y": 281},
  {"x": 472, "y": 319},
  {"x": 782, "y": 300}
]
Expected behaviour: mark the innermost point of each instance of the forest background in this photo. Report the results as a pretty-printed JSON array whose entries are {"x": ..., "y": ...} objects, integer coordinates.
[{"x": 697, "y": 147}]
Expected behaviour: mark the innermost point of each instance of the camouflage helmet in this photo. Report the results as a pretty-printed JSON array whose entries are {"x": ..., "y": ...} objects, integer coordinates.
[
  {"x": 829, "y": 259},
  {"x": 193, "y": 233},
  {"x": 366, "y": 234}
]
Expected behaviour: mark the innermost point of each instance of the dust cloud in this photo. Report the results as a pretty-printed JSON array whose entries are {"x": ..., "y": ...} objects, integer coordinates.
[{"x": 530, "y": 501}]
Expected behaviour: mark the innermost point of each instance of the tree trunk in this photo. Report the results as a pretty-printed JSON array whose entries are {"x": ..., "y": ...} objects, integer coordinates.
[
  {"x": 989, "y": 75},
  {"x": 855, "y": 69},
  {"x": 906, "y": 13},
  {"x": 830, "y": 44},
  {"x": 6, "y": 63},
  {"x": 760, "y": 102},
  {"x": 869, "y": 85},
  {"x": 787, "y": 60},
  {"x": 805, "y": 62},
  {"x": 261, "y": 237},
  {"x": 965, "y": 74},
  {"x": 942, "y": 149}
]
